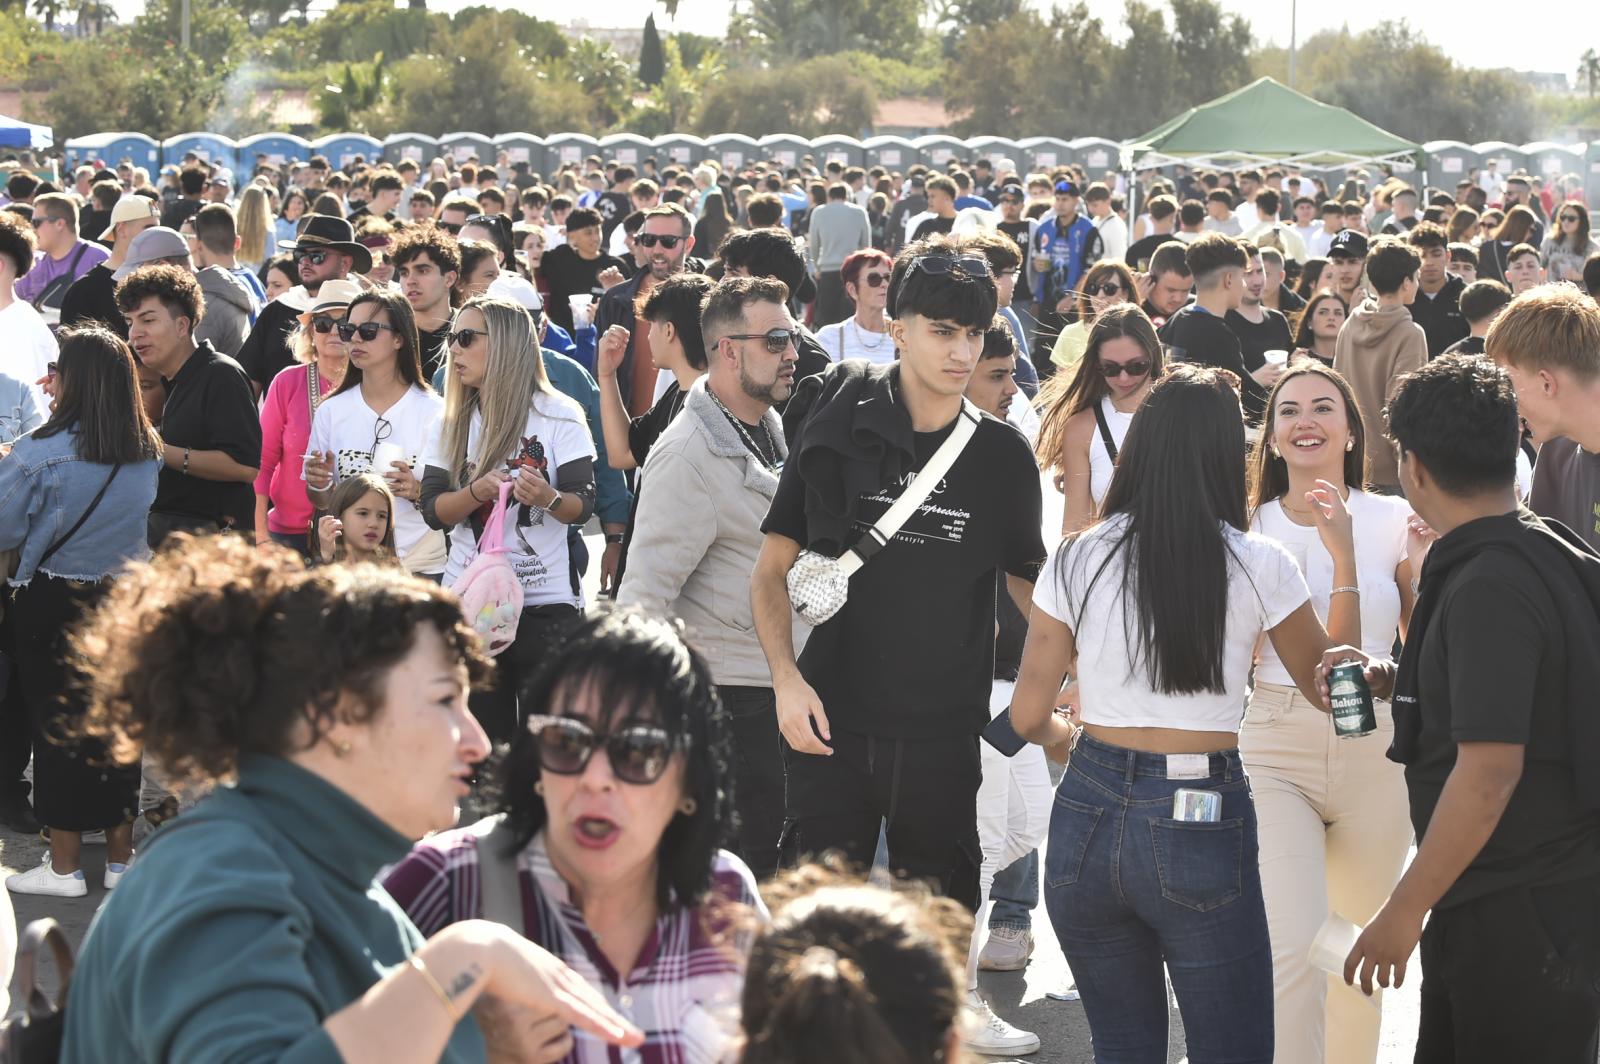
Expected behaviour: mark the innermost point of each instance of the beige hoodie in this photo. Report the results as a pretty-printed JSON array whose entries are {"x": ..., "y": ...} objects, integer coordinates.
[{"x": 1377, "y": 346}]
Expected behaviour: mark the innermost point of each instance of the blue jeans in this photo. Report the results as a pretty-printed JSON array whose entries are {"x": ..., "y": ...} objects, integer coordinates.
[
  {"x": 1015, "y": 894},
  {"x": 1128, "y": 888}
]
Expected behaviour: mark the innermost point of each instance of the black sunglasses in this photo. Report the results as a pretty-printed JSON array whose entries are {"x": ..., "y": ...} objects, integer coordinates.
[
  {"x": 367, "y": 329},
  {"x": 1105, "y": 288},
  {"x": 463, "y": 337},
  {"x": 778, "y": 340},
  {"x": 324, "y": 323},
  {"x": 874, "y": 279},
  {"x": 639, "y": 753},
  {"x": 51, "y": 369},
  {"x": 316, "y": 258},
  {"x": 972, "y": 266},
  {"x": 650, "y": 240},
  {"x": 450, "y": 227},
  {"x": 1135, "y": 369}
]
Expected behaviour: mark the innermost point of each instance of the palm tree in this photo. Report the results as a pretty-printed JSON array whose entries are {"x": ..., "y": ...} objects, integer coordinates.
[
  {"x": 1589, "y": 70},
  {"x": 93, "y": 15},
  {"x": 50, "y": 10}
]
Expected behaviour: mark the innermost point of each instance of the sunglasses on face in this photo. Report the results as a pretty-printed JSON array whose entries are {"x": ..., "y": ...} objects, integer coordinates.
[
  {"x": 451, "y": 227},
  {"x": 778, "y": 340},
  {"x": 324, "y": 323},
  {"x": 650, "y": 240},
  {"x": 639, "y": 753},
  {"x": 52, "y": 369},
  {"x": 368, "y": 330},
  {"x": 874, "y": 279},
  {"x": 316, "y": 258},
  {"x": 1107, "y": 288},
  {"x": 1135, "y": 369},
  {"x": 464, "y": 337}
]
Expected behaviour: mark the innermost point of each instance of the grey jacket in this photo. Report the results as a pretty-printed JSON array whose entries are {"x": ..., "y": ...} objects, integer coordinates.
[
  {"x": 697, "y": 534},
  {"x": 226, "y": 319}
]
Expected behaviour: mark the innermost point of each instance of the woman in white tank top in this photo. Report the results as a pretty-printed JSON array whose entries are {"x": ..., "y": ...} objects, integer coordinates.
[{"x": 1086, "y": 415}]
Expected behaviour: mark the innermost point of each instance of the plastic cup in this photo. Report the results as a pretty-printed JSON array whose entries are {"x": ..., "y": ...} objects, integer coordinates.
[
  {"x": 580, "y": 310},
  {"x": 1277, "y": 358},
  {"x": 1332, "y": 945},
  {"x": 384, "y": 456}
]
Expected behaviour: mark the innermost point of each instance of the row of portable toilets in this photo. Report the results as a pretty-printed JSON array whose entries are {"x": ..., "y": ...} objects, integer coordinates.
[{"x": 1445, "y": 162}]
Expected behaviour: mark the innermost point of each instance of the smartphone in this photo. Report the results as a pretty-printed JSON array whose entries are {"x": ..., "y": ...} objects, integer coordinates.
[
  {"x": 1002, "y": 736},
  {"x": 1194, "y": 806}
]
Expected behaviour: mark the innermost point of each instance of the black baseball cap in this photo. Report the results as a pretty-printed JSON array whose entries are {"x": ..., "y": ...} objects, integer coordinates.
[{"x": 1348, "y": 244}]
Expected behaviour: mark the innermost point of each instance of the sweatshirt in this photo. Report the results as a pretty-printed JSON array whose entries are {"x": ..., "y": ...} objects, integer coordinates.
[
  {"x": 228, "y": 309},
  {"x": 1376, "y": 347}
]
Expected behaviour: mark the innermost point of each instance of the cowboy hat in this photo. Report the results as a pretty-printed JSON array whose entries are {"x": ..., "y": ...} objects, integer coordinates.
[{"x": 336, "y": 234}]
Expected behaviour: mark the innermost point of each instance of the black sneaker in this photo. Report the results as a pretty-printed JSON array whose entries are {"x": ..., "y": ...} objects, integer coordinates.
[{"x": 17, "y": 815}]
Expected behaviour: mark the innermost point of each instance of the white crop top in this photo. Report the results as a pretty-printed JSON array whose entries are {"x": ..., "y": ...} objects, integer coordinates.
[
  {"x": 1264, "y": 587},
  {"x": 1380, "y": 534},
  {"x": 1101, "y": 465}
]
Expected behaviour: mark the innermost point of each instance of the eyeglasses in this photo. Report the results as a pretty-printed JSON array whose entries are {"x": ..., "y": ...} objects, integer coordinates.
[
  {"x": 316, "y": 258},
  {"x": 324, "y": 323},
  {"x": 464, "y": 337},
  {"x": 778, "y": 340},
  {"x": 1135, "y": 369},
  {"x": 1106, "y": 288},
  {"x": 666, "y": 240},
  {"x": 874, "y": 279},
  {"x": 639, "y": 753},
  {"x": 37, "y": 222},
  {"x": 368, "y": 330},
  {"x": 381, "y": 431}
]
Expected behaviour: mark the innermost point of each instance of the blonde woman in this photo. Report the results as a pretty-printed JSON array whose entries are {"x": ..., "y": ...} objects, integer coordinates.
[
  {"x": 256, "y": 228},
  {"x": 503, "y": 419}
]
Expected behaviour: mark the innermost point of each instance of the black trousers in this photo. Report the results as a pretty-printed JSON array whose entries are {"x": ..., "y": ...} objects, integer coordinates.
[
  {"x": 16, "y": 733},
  {"x": 757, "y": 774},
  {"x": 538, "y": 629},
  {"x": 833, "y": 303},
  {"x": 1513, "y": 976},
  {"x": 923, "y": 791}
]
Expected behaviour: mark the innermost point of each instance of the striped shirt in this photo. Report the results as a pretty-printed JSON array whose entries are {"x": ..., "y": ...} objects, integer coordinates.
[{"x": 683, "y": 991}]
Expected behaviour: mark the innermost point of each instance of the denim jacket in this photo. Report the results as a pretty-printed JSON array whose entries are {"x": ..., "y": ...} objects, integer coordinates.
[
  {"x": 45, "y": 487},
  {"x": 19, "y": 408}
]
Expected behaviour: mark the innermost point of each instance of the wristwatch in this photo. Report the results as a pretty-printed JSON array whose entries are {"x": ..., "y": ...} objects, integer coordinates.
[
  {"x": 555, "y": 500},
  {"x": 613, "y": 537}
]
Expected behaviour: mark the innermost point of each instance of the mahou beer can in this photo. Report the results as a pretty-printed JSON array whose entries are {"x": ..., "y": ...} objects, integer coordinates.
[{"x": 1351, "y": 700}]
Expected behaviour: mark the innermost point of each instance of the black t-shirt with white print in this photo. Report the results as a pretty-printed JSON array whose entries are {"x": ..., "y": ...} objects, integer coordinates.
[{"x": 911, "y": 654}]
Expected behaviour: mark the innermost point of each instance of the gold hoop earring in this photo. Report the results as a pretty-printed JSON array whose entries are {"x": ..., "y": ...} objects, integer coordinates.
[{"x": 688, "y": 807}]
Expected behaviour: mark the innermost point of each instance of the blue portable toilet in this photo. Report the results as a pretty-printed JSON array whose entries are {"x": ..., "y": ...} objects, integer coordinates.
[
  {"x": 1043, "y": 154},
  {"x": 847, "y": 151},
  {"x": 341, "y": 149},
  {"x": 112, "y": 148},
  {"x": 785, "y": 149},
  {"x": 463, "y": 146},
  {"x": 891, "y": 153},
  {"x": 627, "y": 149},
  {"x": 734, "y": 151},
  {"x": 210, "y": 147},
  {"x": 679, "y": 149},
  {"x": 523, "y": 148},
  {"x": 418, "y": 147},
  {"x": 279, "y": 148},
  {"x": 569, "y": 149},
  {"x": 937, "y": 149}
]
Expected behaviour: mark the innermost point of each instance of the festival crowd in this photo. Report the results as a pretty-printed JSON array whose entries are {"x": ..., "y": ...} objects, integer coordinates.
[{"x": 1180, "y": 547}]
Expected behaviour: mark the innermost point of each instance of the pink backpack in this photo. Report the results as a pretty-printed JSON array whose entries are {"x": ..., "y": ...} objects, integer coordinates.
[{"x": 490, "y": 593}]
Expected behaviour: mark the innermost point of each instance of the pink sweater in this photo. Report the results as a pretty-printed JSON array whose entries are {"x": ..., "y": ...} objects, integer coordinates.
[{"x": 285, "y": 432}]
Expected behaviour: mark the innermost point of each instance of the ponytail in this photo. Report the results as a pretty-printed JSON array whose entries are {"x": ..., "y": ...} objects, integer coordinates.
[{"x": 826, "y": 1011}]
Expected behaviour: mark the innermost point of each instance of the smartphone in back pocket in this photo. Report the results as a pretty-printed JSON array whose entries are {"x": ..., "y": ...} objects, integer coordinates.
[{"x": 1002, "y": 736}]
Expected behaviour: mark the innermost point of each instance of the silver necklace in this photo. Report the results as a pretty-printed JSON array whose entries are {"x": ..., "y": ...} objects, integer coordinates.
[
  {"x": 755, "y": 448},
  {"x": 861, "y": 338}
]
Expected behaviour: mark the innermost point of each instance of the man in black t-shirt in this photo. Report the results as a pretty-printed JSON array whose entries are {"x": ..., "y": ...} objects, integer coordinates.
[
  {"x": 1494, "y": 720},
  {"x": 427, "y": 262},
  {"x": 574, "y": 268},
  {"x": 1259, "y": 328},
  {"x": 614, "y": 204},
  {"x": 1199, "y": 332},
  {"x": 881, "y": 713},
  {"x": 942, "y": 194}
]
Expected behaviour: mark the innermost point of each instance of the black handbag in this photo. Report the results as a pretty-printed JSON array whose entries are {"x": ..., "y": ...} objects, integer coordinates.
[{"x": 33, "y": 1033}]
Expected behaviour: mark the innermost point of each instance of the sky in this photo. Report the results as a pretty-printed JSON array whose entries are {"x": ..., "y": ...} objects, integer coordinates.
[{"x": 1473, "y": 32}]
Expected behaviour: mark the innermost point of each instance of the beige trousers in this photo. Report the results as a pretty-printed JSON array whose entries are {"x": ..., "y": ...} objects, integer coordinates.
[{"x": 1334, "y": 829}]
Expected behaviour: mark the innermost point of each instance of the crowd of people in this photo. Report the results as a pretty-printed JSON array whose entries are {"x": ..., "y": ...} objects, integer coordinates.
[{"x": 907, "y": 486}]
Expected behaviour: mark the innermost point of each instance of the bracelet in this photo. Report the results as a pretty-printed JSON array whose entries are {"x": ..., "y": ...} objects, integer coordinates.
[
  {"x": 185, "y": 468},
  {"x": 1340, "y": 590},
  {"x": 474, "y": 494},
  {"x": 613, "y": 537},
  {"x": 444, "y": 999}
]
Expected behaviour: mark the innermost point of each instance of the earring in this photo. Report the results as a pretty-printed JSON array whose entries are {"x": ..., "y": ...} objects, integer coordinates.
[
  {"x": 1349, "y": 445},
  {"x": 688, "y": 806},
  {"x": 538, "y": 788},
  {"x": 341, "y": 748},
  {"x": 1276, "y": 453}
]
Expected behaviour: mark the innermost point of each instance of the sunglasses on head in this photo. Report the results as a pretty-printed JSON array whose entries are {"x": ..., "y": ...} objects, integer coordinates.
[
  {"x": 1105, "y": 288},
  {"x": 368, "y": 330},
  {"x": 639, "y": 753},
  {"x": 778, "y": 340},
  {"x": 316, "y": 258},
  {"x": 1135, "y": 369},
  {"x": 666, "y": 240},
  {"x": 463, "y": 337}
]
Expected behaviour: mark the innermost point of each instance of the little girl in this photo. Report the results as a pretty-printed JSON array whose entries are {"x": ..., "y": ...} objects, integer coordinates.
[{"x": 360, "y": 524}]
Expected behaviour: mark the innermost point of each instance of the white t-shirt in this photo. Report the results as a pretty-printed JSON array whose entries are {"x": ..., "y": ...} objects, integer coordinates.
[
  {"x": 1113, "y": 237},
  {"x": 855, "y": 342},
  {"x": 29, "y": 348},
  {"x": 556, "y": 434},
  {"x": 1380, "y": 533},
  {"x": 1264, "y": 587},
  {"x": 347, "y": 426}
]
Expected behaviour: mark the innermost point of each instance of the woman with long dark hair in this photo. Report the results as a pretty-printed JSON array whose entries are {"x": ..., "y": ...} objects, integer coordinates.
[
  {"x": 1333, "y": 825},
  {"x": 74, "y": 496},
  {"x": 1569, "y": 245},
  {"x": 1310, "y": 278},
  {"x": 715, "y": 221},
  {"x": 1157, "y": 609},
  {"x": 1086, "y": 415},
  {"x": 1494, "y": 255},
  {"x": 381, "y": 420},
  {"x": 1317, "y": 328}
]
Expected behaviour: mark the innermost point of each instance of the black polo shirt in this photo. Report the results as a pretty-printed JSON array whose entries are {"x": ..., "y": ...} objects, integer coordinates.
[
  {"x": 1440, "y": 316},
  {"x": 210, "y": 408}
]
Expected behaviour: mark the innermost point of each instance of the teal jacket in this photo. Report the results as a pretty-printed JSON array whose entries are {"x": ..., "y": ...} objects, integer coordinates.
[{"x": 245, "y": 924}]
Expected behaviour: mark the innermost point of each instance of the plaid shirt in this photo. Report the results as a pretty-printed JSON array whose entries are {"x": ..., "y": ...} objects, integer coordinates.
[{"x": 683, "y": 991}]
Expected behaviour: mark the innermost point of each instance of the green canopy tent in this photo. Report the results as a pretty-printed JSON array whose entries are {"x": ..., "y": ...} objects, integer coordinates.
[{"x": 1268, "y": 123}]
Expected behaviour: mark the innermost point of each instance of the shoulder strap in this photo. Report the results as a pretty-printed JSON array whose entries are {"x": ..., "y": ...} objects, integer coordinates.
[
  {"x": 921, "y": 486},
  {"x": 93, "y": 504},
  {"x": 499, "y": 891},
  {"x": 1105, "y": 432}
]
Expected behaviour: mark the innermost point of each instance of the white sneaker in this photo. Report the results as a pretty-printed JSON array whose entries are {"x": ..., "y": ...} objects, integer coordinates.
[
  {"x": 42, "y": 879},
  {"x": 115, "y": 871},
  {"x": 1007, "y": 950},
  {"x": 988, "y": 1034}
]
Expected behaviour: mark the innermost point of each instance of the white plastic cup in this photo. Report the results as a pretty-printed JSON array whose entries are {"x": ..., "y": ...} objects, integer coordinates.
[
  {"x": 580, "y": 310},
  {"x": 1277, "y": 358},
  {"x": 384, "y": 456},
  {"x": 1332, "y": 945}
]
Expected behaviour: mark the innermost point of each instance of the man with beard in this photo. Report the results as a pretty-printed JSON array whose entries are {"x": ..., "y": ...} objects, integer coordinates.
[{"x": 666, "y": 238}]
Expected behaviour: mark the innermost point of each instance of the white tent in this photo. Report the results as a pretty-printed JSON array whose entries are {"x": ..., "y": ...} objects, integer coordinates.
[{"x": 15, "y": 133}]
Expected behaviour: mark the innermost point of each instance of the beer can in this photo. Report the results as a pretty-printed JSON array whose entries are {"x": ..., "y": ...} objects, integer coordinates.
[{"x": 1351, "y": 700}]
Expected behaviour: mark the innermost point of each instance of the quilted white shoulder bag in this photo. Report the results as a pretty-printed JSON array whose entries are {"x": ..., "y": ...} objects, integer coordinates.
[{"x": 819, "y": 585}]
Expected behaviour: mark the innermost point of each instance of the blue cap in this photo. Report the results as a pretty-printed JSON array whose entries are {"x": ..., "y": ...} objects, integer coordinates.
[{"x": 1066, "y": 188}]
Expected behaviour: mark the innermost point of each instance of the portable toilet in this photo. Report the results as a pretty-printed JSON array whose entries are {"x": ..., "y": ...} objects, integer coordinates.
[
  {"x": 569, "y": 149},
  {"x": 785, "y": 149},
  {"x": 1549, "y": 160},
  {"x": 627, "y": 149},
  {"x": 462, "y": 146},
  {"x": 1591, "y": 172},
  {"x": 994, "y": 149},
  {"x": 280, "y": 149},
  {"x": 112, "y": 148},
  {"x": 679, "y": 149},
  {"x": 209, "y": 147},
  {"x": 523, "y": 148},
  {"x": 847, "y": 151},
  {"x": 1043, "y": 154},
  {"x": 734, "y": 151},
  {"x": 937, "y": 149},
  {"x": 1096, "y": 155},
  {"x": 1508, "y": 157},
  {"x": 1449, "y": 161},
  {"x": 342, "y": 149},
  {"x": 891, "y": 153},
  {"x": 419, "y": 148}
]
